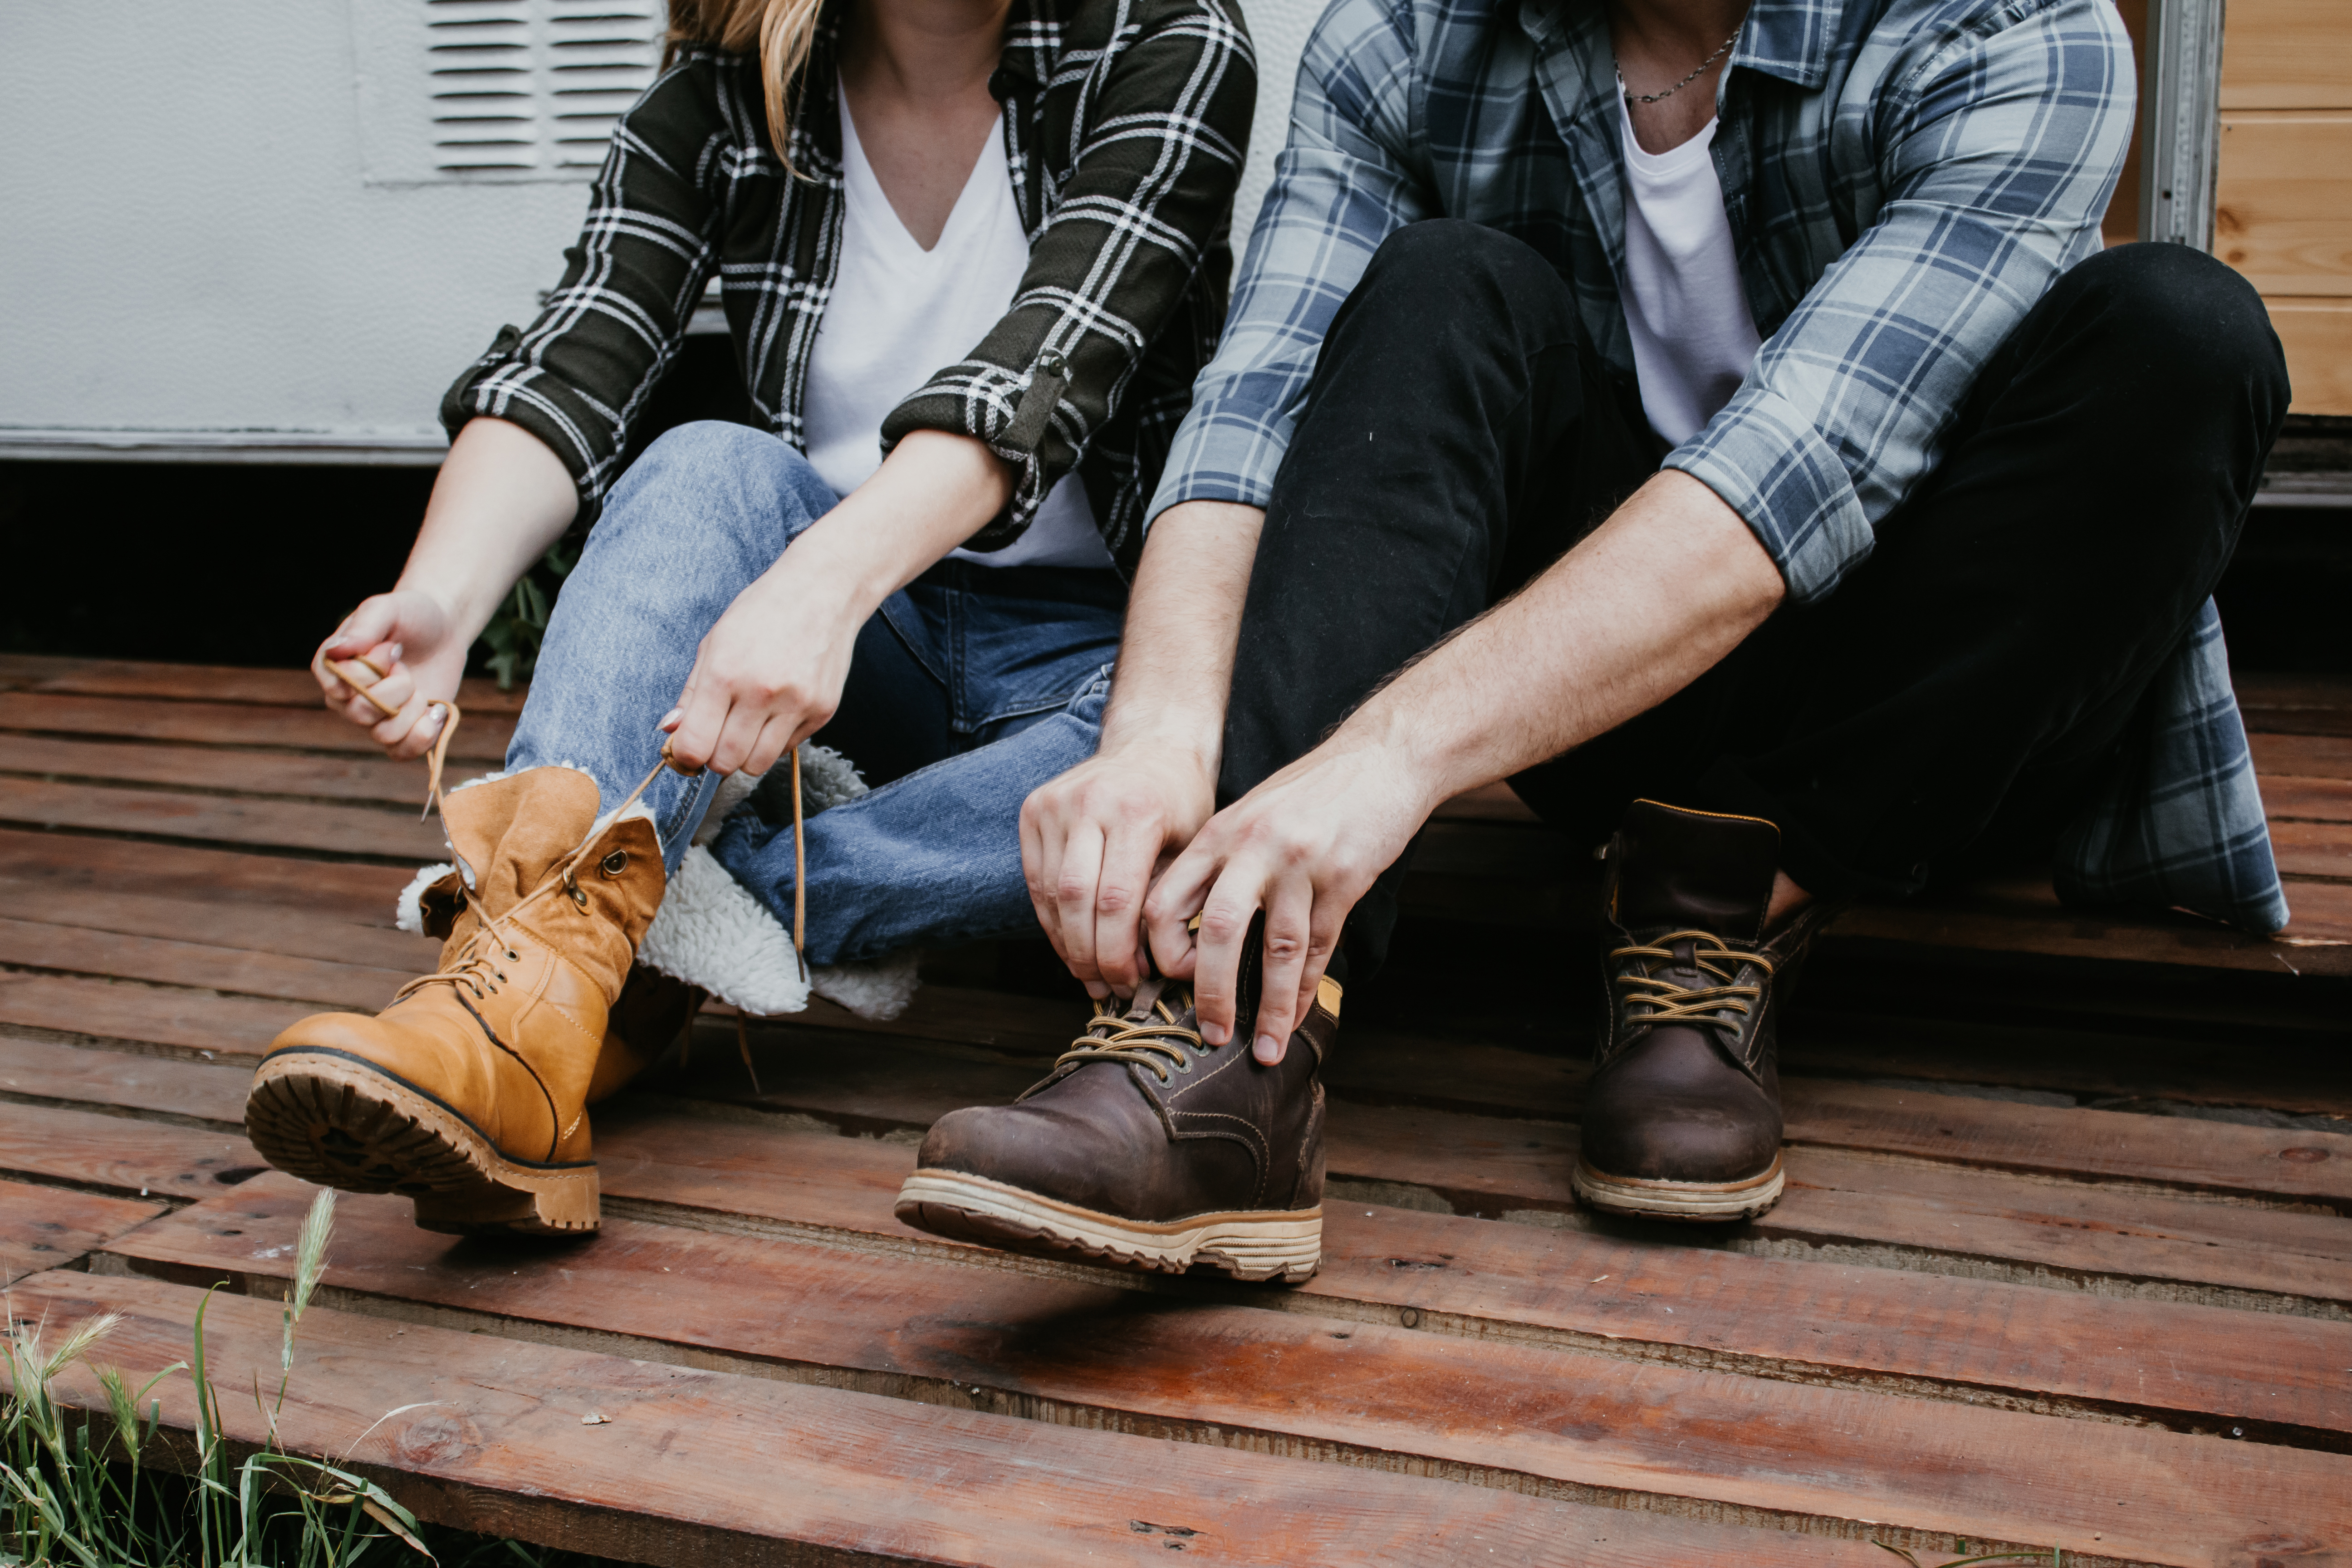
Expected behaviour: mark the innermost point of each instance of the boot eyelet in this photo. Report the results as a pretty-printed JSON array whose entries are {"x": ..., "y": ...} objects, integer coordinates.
[
  {"x": 615, "y": 863},
  {"x": 578, "y": 897},
  {"x": 1185, "y": 1065}
]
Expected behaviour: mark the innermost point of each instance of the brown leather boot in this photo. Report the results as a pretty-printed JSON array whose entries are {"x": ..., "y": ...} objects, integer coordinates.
[
  {"x": 1146, "y": 1148},
  {"x": 469, "y": 1092},
  {"x": 1683, "y": 1117}
]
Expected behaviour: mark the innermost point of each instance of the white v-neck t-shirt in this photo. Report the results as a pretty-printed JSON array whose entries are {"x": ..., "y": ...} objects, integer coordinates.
[
  {"x": 1694, "y": 337},
  {"x": 900, "y": 312}
]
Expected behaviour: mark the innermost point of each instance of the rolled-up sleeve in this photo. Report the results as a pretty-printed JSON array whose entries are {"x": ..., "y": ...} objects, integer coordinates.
[
  {"x": 1149, "y": 193},
  {"x": 579, "y": 375},
  {"x": 1341, "y": 186},
  {"x": 2000, "y": 150}
]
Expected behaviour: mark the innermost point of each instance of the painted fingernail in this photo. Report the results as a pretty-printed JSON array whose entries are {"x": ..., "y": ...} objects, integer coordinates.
[
  {"x": 669, "y": 720},
  {"x": 391, "y": 654}
]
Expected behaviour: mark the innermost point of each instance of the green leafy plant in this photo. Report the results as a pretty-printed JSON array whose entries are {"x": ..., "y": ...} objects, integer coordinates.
[
  {"x": 77, "y": 1489},
  {"x": 512, "y": 638}
]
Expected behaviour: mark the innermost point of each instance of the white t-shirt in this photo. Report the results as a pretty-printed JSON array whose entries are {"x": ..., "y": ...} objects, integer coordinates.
[
  {"x": 1694, "y": 338},
  {"x": 898, "y": 313}
]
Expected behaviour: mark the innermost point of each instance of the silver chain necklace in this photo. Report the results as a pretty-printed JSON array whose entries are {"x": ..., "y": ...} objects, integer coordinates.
[{"x": 1632, "y": 96}]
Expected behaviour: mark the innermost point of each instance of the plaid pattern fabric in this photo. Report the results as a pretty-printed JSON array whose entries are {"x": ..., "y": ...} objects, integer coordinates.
[
  {"x": 1904, "y": 179},
  {"x": 1125, "y": 126}
]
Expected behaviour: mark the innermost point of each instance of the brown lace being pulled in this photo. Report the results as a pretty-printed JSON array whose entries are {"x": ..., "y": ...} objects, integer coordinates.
[
  {"x": 1669, "y": 1002},
  {"x": 1144, "y": 1032}
]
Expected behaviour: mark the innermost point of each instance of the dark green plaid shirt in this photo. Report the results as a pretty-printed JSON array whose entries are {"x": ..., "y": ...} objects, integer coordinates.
[{"x": 1125, "y": 124}]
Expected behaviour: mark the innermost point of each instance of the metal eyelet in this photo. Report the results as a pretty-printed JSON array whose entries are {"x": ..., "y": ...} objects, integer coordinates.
[
  {"x": 577, "y": 896},
  {"x": 615, "y": 863}
]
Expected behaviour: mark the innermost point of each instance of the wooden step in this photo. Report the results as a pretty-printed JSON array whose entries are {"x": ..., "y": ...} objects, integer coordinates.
[{"x": 487, "y": 1432}]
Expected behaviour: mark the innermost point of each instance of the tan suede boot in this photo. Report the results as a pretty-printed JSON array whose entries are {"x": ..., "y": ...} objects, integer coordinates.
[{"x": 469, "y": 1092}]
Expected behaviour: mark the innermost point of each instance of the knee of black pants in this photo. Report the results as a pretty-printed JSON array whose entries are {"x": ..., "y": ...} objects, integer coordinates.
[
  {"x": 1429, "y": 279},
  {"x": 2185, "y": 338}
]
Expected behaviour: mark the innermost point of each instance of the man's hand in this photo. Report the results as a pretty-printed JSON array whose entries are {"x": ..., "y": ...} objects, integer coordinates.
[
  {"x": 1672, "y": 582},
  {"x": 1304, "y": 846},
  {"x": 1092, "y": 840},
  {"x": 408, "y": 634}
]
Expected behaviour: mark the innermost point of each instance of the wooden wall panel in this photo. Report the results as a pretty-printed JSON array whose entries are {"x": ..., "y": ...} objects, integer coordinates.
[
  {"x": 2287, "y": 54},
  {"x": 2318, "y": 338},
  {"x": 2285, "y": 216}
]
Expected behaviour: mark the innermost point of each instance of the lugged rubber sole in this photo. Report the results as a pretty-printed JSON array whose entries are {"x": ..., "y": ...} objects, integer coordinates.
[
  {"x": 1285, "y": 1244},
  {"x": 333, "y": 1119},
  {"x": 1696, "y": 1202}
]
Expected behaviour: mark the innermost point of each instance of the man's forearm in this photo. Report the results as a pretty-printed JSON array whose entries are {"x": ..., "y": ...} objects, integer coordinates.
[
  {"x": 1659, "y": 593},
  {"x": 1183, "y": 617}
]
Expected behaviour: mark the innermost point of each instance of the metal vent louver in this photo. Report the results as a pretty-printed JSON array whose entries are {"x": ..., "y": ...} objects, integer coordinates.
[{"x": 523, "y": 86}]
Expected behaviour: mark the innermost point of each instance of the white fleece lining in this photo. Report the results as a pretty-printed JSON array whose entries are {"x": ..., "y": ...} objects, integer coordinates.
[{"x": 712, "y": 933}]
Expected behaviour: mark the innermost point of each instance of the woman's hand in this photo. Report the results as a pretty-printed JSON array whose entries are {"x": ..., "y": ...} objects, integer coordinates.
[
  {"x": 770, "y": 674},
  {"x": 410, "y": 635}
]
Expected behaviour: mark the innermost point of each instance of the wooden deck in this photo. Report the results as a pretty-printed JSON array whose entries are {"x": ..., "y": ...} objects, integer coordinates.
[{"x": 2066, "y": 1257}]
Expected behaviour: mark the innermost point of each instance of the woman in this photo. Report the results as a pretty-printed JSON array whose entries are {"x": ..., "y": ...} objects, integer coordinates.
[{"x": 878, "y": 185}]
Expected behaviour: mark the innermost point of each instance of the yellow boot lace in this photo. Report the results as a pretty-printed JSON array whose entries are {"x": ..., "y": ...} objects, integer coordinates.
[
  {"x": 1145, "y": 1032},
  {"x": 1650, "y": 1000}
]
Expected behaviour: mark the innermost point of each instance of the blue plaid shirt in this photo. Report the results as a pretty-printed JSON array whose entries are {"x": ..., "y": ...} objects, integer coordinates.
[{"x": 1904, "y": 179}]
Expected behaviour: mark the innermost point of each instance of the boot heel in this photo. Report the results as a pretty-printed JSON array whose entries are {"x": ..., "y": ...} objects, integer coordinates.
[{"x": 565, "y": 1204}]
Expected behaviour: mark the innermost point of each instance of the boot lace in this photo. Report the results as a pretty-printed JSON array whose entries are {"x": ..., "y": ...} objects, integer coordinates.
[
  {"x": 475, "y": 967},
  {"x": 1650, "y": 1000},
  {"x": 1144, "y": 1032}
]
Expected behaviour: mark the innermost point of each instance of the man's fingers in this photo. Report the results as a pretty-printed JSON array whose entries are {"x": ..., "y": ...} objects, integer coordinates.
[
  {"x": 1225, "y": 918},
  {"x": 1041, "y": 862},
  {"x": 1073, "y": 892},
  {"x": 1174, "y": 900},
  {"x": 1129, "y": 850},
  {"x": 1289, "y": 911}
]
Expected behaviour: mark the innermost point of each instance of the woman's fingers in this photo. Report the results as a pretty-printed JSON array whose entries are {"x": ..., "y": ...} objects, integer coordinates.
[{"x": 774, "y": 740}]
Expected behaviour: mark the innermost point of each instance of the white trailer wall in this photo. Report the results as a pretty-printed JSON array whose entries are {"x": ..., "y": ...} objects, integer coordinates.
[{"x": 220, "y": 234}]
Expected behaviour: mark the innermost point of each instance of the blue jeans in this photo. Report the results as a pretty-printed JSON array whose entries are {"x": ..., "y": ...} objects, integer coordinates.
[{"x": 971, "y": 687}]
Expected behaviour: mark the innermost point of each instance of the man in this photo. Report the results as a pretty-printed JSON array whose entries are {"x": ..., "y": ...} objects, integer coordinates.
[{"x": 1720, "y": 422}]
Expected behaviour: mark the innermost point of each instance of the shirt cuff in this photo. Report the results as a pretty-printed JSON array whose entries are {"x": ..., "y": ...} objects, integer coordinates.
[
  {"x": 986, "y": 401},
  {"x": 1222, "y": 453},
  {"x": 1769, "y": 465}
]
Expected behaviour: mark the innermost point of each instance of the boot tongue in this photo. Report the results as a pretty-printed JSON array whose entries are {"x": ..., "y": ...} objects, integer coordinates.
[
  {"x": 1692, "y": 870},
  {"x": 509, "y": 834}
]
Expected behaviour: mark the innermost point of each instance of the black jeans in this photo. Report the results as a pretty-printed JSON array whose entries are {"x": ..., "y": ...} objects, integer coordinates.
[{"x": 1971, "y": 684}]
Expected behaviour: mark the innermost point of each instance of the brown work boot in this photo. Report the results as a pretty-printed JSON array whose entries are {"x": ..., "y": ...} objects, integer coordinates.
[
  {"x": 1146, "y": 1148},
  {"x": 469, "y": 1092},
  {"x": 1683, "y": 1117}
]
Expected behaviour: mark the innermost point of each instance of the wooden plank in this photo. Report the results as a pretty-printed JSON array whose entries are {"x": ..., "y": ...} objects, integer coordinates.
[
  {"x": 489, "y": 1434},
  {"x": 2290, "y": 799},
  {"x": 258, "y": 928},
  {"x": 2313, "y": 848},
  {"x": 375, "y": 780},
  {"x": 2285, "y": 218},
  {"x": 46, "y": 1072},
  {"x": 2317, "y": 336},
  {"x": 236, "y": 971},
  {"x": 119, "y": 1154},
  {"x": 1482, "y": 1167},
  {"x": 162, "y": 1017},
  {"x": 225, "y": 878},
  {"x": 1132, "y": 1359},
  {"x": 231, "y": 683},
  {"x": 482, "y": 740},
  {"x": 2222, "y": 1068},
  {"x": 2029, "y": 920},
  {"x": 2304, "y": 756},
  {"x": 350, "y": 831},
  {"x": 53, "y": 1227},
  {"x": 2186, "y": 1367},
  {"x": 2265, "y": 690},
  {"x": 2206, "y": 1156},
  {"x": 2286, "y": 54}
]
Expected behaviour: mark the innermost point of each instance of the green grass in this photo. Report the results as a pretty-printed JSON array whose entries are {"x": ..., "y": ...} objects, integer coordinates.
[{"x": 76, "y": 1486}]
